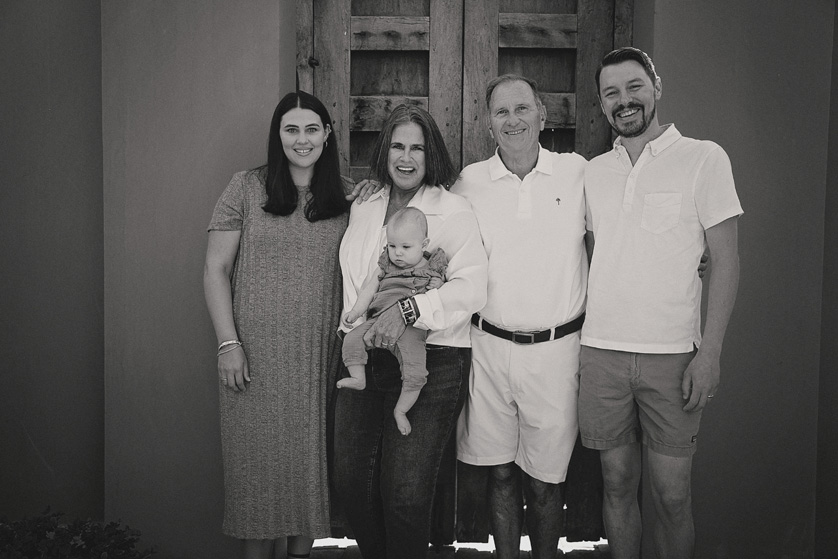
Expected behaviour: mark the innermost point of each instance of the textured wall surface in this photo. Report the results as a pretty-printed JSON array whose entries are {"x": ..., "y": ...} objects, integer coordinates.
[
  {"x": 51, "y": 317},
  {"x": 826, "y": 538},
  {"x": 188, "y": 92},
  {"x": 734, "y": 72}
]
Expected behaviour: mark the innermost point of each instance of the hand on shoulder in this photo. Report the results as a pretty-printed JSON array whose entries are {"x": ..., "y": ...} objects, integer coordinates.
[{"x": 361, "y": 191}]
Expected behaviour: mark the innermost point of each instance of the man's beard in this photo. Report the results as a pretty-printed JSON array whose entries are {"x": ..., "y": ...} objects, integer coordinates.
[{"x": 635, "y": 129}]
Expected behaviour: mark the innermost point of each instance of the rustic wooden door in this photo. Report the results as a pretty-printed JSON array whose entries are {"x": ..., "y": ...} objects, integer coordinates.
[{"x": 362, "y": 57}]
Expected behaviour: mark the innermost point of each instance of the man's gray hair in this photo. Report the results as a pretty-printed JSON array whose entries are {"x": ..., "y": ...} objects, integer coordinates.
[{"x": 490, "y": 88}]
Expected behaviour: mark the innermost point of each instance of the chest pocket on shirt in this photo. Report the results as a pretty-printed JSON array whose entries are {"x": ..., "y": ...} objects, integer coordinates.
[{"x": 661, "y": 212}]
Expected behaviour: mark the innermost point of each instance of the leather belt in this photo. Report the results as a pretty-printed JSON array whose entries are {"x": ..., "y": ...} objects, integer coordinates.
[{"x": 520, "y": 337}]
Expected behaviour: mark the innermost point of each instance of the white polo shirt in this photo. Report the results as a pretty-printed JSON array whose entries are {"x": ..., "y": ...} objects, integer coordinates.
[
  {"x": 533, "y": 231},
  {"x": 648, "y": 220}
]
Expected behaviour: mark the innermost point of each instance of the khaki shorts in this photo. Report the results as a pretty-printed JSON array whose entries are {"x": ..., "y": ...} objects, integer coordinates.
[
  {"x": 629, "y": 397},
  {"x": 521, "y": 405}
]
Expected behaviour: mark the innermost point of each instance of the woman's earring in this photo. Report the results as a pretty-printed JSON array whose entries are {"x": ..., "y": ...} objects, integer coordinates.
[{"x": 326, "y": 144}]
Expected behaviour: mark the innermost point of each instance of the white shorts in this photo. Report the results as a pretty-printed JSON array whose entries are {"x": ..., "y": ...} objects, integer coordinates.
[{"x": 521, "y": 405}]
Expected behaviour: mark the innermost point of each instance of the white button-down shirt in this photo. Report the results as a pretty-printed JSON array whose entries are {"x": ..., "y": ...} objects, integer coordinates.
[{"x": 452, "y": 226}]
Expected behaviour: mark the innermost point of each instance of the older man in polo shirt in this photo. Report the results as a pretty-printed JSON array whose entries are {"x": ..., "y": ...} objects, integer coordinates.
[
  {"x": 646, "y": 374},
  {"x": 520, "y": 417}
]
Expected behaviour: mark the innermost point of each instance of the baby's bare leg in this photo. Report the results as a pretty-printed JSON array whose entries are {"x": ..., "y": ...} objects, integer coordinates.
[
  {"x": 357, "y": 378},
  {"x": 355, "y": 357},
  {"x": 406, "y": 400},
  {"x": 410, "y": 351}
]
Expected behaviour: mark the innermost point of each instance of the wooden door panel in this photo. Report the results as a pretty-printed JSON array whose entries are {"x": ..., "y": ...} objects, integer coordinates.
[
  {"x": 538, "y": 6},
  {"x": 331, "y": 73},
  {"x": 480, "y": 64},
  {"x": 391, "y": 7},
  {"x": 363, "y": 142},
  {"x": 553, "y": 69},
  {"x": 375, "y": 73},
  {"x": 390, "y": 33},
  {"x": 305, "y": 45},
  {"x": 445, "y": 76},
  {"x": 370, "y": 111},
  {"x": 383, "y": 53},
  {"x": 553, "y": 31},
  {"x": 596, "y": 31}
]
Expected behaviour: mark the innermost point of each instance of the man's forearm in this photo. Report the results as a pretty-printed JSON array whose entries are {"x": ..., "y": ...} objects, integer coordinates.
[{"x": 724, "y": 282}]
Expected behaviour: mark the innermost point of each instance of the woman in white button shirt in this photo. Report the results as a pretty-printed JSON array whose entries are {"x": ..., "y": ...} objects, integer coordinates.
[{"x": 385, "y": 480}]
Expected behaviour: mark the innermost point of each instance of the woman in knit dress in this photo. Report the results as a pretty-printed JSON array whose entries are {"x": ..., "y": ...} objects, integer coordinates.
[{"x": 272, "y": 285}]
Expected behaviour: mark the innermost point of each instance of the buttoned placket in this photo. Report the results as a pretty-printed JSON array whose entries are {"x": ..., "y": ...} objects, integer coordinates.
[
  {"x": 634, "y": 172},
  {"x": 524, "y": 188}
]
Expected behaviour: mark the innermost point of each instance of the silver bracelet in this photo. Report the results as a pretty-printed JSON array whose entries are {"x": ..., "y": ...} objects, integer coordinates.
[
  {"x": 235, "y": 344},
  {"x": 228, "y": 342}
]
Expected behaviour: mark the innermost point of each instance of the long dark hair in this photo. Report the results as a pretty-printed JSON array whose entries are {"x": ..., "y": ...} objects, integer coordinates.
[
  {"x": 439, "y": 170},
  {"x": 327, "y": 197}
]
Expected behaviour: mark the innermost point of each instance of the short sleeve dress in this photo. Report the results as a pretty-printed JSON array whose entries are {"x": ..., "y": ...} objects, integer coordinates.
[{"x": 286, "y": 303}]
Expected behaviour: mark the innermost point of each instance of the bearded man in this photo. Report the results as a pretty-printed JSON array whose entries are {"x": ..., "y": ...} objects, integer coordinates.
[{"x": 653, "y": 203}]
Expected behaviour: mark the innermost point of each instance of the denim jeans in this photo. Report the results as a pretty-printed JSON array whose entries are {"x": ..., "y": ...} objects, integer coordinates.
[{"x": 384, "y": 480}]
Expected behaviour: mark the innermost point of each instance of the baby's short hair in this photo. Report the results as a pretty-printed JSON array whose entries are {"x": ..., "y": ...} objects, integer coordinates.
[{"x": 410, "y": 216}]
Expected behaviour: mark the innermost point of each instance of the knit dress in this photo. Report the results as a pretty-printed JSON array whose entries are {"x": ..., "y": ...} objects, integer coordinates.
[{"x": 286, "y": 304}]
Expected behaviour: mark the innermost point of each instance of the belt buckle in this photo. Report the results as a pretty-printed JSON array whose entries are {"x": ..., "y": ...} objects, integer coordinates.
[{"x": 528, "y": 337}]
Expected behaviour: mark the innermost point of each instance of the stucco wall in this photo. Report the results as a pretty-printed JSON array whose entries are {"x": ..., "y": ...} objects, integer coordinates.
[
  {"x": 51, "y": 319},
  {"x": 826, "y": 515},
  {"x": 188, "y": 92},
  {"x": 755, "y": 77}
]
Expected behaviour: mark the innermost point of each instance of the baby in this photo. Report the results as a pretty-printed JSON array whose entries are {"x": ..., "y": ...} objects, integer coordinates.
[{"x": 404, "y": 269}]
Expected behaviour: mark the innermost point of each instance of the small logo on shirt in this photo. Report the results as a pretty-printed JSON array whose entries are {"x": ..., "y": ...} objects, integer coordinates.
[{"x": 558, "y": 201}]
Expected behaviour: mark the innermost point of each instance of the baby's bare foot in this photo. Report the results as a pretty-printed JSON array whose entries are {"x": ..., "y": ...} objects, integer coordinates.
[
  {"x": 402, "y": 423},
  {"x": 353, "y": 383}
]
